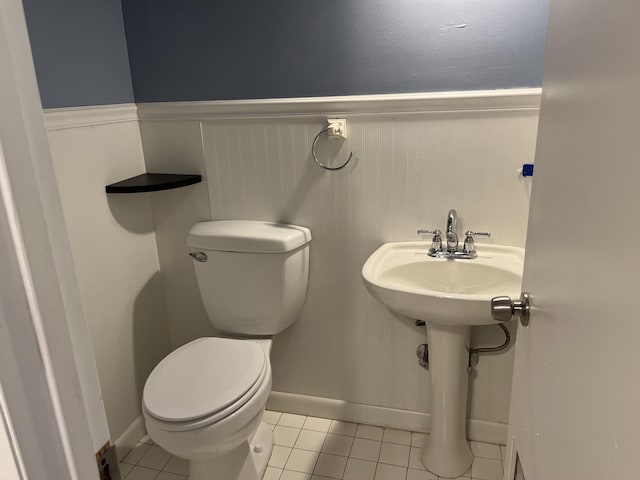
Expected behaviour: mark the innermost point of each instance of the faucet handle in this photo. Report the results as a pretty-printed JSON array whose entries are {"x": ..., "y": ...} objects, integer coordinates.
[
  {"x": 472, "y": 234},
  {"x": 469, "y": 244},
  {"x": 436, "y": 242},
  {"x": 426, "y": 232}
]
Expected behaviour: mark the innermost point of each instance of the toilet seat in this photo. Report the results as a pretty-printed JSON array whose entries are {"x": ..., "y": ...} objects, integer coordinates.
[{"x": 204, "y": 382}]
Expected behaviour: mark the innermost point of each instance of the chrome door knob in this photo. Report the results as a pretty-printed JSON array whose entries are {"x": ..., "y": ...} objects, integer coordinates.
[{"x": 503, "y": 309}]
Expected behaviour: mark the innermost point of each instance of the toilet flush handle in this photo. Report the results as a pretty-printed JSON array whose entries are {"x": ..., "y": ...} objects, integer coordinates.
[{"x": 199, "y": 256}]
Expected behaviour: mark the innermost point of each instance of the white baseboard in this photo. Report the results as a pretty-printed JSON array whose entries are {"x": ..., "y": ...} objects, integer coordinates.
[
  {"x": 478, "y": 430},
  {"x": 130, "y": 438}
]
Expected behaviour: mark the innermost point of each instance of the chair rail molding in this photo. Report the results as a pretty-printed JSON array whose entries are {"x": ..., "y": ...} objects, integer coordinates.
[
  {"x": 520, "y": 99},
  {"x": 363, "y": 105},
  {"x": 74, "y": 117}
]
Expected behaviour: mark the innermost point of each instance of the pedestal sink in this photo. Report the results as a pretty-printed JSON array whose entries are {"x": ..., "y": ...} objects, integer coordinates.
[{"x": 450, "y": 296}]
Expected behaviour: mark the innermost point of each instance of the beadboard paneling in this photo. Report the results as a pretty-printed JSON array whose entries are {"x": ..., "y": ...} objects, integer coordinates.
[
  {"x": 408, "y": 171},
  {"x": 176, "y": 147},
  {"x": 114, "y": 253}
]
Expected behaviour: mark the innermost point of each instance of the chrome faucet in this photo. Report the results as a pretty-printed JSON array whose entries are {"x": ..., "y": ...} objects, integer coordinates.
[
  {"x": 453, "y": 246},
  {"x": 452, "y": 232}
]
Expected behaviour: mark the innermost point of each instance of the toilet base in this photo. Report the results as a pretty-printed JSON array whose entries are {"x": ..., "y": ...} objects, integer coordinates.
[{"x": 247, "y": 462}]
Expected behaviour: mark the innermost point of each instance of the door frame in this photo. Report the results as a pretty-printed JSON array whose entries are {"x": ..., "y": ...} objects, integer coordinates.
[{"x": 52, "y": 407}]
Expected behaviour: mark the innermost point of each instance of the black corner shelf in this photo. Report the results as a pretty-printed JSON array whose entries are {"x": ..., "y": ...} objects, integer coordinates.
[{"x": 153, "y": 182}]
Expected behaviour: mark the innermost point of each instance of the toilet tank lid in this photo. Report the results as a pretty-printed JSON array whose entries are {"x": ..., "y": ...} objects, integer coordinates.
[{"x": 248, "y": 236}]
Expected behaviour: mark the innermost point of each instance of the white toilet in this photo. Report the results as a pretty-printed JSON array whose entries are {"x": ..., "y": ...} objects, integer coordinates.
[{"x": 204, "y": 401}]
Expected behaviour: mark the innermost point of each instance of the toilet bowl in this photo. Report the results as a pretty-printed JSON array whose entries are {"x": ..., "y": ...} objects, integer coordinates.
[{"x": 204, "y": 403}]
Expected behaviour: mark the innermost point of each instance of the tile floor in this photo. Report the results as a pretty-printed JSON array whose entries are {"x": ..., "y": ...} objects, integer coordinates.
[
  {"x": 148, "y": 461},
  {"x": 309, "y": 448}
]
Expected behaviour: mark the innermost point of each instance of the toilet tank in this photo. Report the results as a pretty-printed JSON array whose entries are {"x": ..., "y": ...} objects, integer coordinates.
[{"x": 253, "y": 275}]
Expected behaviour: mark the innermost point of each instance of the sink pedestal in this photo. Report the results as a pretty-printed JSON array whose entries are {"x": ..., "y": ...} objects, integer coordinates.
[
  {"x": 446, "y": 451},
  {"x": 456, "y": 294}
]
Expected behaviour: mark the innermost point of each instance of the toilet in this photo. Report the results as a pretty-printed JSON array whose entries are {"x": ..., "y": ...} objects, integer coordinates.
[{"x": 204, "y": 401}]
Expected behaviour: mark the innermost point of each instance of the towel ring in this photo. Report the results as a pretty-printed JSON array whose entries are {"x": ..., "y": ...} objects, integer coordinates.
[{"x": 315, "y": 157}]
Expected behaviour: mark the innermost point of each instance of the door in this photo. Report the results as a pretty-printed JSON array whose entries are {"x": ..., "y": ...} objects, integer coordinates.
[
  {"x": 575, "y": 410},
  {"x": 48, "y": 383}
]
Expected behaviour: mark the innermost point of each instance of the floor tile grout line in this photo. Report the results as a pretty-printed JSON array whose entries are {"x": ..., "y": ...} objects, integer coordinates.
[
  {"x": 314, "y": 464},
  {"x": 296, "y": 439},
  {"x": 285, "y": 462},
  {"x": 323, "y": 442},
  {"x": 353, "y": 440},
  {"x": 166, "y": 463}
]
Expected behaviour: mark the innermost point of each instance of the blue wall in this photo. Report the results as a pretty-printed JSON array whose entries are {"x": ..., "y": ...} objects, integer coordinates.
[
  {"x": 207, "y": 49},
  {"x": 79, "y": 51}
]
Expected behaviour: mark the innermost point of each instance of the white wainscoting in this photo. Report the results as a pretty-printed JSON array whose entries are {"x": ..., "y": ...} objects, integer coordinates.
[
  {"x": 416, "y": 156},
  {"x": 114, "y": 250},
  {"x": 412, "y": 163}
]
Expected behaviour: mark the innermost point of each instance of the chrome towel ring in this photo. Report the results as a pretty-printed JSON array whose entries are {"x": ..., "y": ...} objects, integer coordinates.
[{"x": 315, "y": 157}]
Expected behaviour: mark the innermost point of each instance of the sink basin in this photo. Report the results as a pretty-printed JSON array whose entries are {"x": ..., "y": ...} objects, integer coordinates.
[{"x": 453, "y": 292}]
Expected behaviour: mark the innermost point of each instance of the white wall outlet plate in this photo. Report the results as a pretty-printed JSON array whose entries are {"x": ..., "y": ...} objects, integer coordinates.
[{"x": 337, "y": 127}]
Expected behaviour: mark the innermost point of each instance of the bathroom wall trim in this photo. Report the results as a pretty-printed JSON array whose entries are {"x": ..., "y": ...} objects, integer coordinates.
[
  {"x": 74, "y": 117},
  {"x": 440, "y": 102},
  {"x": 478, "y": 430},
  {"x": 130, "y": 437}
]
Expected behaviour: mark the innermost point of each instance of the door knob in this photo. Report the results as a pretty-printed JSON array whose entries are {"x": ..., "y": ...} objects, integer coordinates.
[{"x": 503, "y": 309}]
